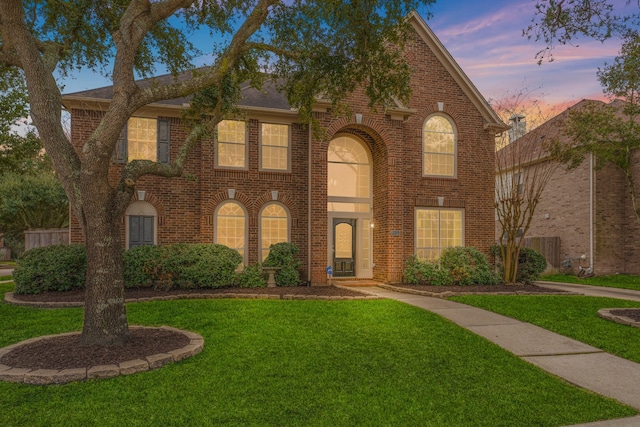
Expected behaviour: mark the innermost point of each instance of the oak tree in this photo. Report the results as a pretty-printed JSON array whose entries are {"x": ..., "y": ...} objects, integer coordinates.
[{"x": 313, "y": 47}]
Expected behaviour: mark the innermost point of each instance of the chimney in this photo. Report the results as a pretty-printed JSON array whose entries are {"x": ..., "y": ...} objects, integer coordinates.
[{"x": 518, "y": 127}]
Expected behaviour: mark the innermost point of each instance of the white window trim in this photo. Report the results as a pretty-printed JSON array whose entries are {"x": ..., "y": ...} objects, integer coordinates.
[
  {"x": 342, "y": 199},
  {"x": 260, "y": 248},
  {"x": 455, "y": 147},
  {"x": 246, "y": 149},
  {"x": 246, "y": 226},
  {"x": 439, "y": 209},
  {"x": 288, "y": 169}
]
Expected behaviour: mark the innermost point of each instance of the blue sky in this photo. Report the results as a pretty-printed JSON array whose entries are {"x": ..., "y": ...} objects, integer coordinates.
[{"x": 485, "y": 38}]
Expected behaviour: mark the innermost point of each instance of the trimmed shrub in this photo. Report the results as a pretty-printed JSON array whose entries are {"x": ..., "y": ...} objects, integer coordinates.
[
  {"x": 63, "y": 267},
  {"x": 198, "y": 265},
  {"x": 51, "y": 268},
  {"x": 531, "y": 264},
  {"x": 142, "y": 266},
  {"x": 468, "y": 266},
  {"x": 251, "y": 277},
  {"x": 283, "y": 255},
  {"x": 419, "y": 272}
]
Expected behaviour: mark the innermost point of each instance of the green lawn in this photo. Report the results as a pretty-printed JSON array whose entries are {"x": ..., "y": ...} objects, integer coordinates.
[
  {"x": 317, "y": 363},
  {"x": 623, "y": 281},
  {"x": 572, "y": 316},
  {"x": 3, "y": 278}
]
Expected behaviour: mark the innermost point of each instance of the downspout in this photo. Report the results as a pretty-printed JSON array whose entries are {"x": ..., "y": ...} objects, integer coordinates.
[
  {"x": 591, "y": 226},
  {"x": 309, "y": 207}
]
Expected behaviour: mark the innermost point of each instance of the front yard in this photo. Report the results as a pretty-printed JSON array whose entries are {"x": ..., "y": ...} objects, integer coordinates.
[
  {"x": 623, "y": 281},
  {"x": 274, "y": 362},
  {"x": 572, "y": 316}
]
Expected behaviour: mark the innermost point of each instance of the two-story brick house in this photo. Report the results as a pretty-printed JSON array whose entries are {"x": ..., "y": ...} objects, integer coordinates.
[{"x": 381, "y": 186}]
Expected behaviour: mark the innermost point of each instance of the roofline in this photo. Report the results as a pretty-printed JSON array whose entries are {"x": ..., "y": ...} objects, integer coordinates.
[
  {"x": 492, "y": 120},
  {"x": 167, "y": 110}
]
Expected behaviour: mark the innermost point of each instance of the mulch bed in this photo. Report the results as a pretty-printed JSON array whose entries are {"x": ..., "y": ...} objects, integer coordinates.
[
  {"x": 474, "y": 289},
  {"x": 632, "y": 313},
  {"x": 66, "y": 352},
  {"x": 136, "y": 293}
]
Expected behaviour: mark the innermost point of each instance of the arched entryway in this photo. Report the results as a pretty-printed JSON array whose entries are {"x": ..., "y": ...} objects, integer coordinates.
[{"x": 350, "y": 207}]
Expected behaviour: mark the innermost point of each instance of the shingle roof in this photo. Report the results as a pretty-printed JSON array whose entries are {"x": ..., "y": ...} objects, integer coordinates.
[{"x": 267, "y": 97}]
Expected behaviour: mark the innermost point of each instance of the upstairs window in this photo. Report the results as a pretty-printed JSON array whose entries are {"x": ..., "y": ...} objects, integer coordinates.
[
  {"x": 232, "y": 146},
  {"x": 274, "y": 147},
  {"x": 438, "y": 147},
  {"x": 143, "y": 139}
]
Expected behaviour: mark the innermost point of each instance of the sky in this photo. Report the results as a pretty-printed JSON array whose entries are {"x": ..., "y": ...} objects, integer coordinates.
[{"x": 485, "y": 38}]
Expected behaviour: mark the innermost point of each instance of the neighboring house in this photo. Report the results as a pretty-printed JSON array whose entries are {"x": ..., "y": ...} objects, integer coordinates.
[
  {"x": 408, "y": 180},
  {"x": 589, "y": 210}
]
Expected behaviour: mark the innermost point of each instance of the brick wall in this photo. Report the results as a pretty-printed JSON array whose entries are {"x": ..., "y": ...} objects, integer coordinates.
[{"x": 186, "y": 207}]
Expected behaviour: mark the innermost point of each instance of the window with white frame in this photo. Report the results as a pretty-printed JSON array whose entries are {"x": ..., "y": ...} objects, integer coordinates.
[
  {"x": 437, "y": 229},
  {"x": 144, "y": 139},
  {"x": 348, "y": 171},
  {"x": 230, "y": 227},
  {"x": 232, "y": 146},
  {"x": 274, "y": 227},
  {"x": 438, "y": 147},
  {"x": 274, "y": 147}
]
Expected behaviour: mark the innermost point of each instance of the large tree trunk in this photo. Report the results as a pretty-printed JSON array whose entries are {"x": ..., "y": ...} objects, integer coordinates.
[{"x": 105, "y": 317}]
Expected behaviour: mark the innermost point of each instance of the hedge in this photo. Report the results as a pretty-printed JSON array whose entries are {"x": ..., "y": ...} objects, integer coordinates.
[
  {"x": 63, "y": 267},
  {"x": 51, "y": 268},
  {"x": 456, "y": 266}
]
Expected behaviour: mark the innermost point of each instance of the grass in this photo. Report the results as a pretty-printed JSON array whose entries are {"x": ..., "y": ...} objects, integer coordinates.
[
  {"x": 571, "y": 316},
  {"x": 316, "y": 363},
  {"x": 624, "y": 281},
  {"x": 3, "y": 278}
]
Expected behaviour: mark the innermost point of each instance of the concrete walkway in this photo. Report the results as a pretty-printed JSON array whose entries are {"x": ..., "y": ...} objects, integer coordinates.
[
  {"x": 574, "y": 361},
  {"x": 593, "y": 291}
]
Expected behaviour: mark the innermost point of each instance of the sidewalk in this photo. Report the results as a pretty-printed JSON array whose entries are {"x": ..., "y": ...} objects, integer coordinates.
[
  {"x": 575, "y": 362},
  {"x": 593, "y": 291}
]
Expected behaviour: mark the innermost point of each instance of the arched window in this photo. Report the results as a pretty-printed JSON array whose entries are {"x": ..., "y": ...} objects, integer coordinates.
[
  {"x": 230, "y": 226},
  {"x": 140, "y": 224},
  {"x": 274, "y": 227},
  {"x": 438, "y": 147},
  {"x": 348, "y": 175}
]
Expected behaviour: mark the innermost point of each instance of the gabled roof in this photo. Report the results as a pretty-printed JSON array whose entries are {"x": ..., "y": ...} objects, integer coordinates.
[
  {"x": 492, "y": 120},
  {"x": 270, "y": 99},
  {"x": 531, "y": 145}
]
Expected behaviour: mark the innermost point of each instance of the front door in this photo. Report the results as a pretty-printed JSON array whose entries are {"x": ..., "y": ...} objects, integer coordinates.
[{"x": 344, "y": 248}]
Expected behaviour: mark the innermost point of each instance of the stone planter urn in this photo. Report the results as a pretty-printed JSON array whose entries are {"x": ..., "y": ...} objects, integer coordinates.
[{"x": 271, "y": 281}]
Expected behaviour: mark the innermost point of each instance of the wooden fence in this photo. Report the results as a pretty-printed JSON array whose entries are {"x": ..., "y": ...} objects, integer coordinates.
[
  {"x": 547, "y": 246},
  {"x": 40, "y": 238}
]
